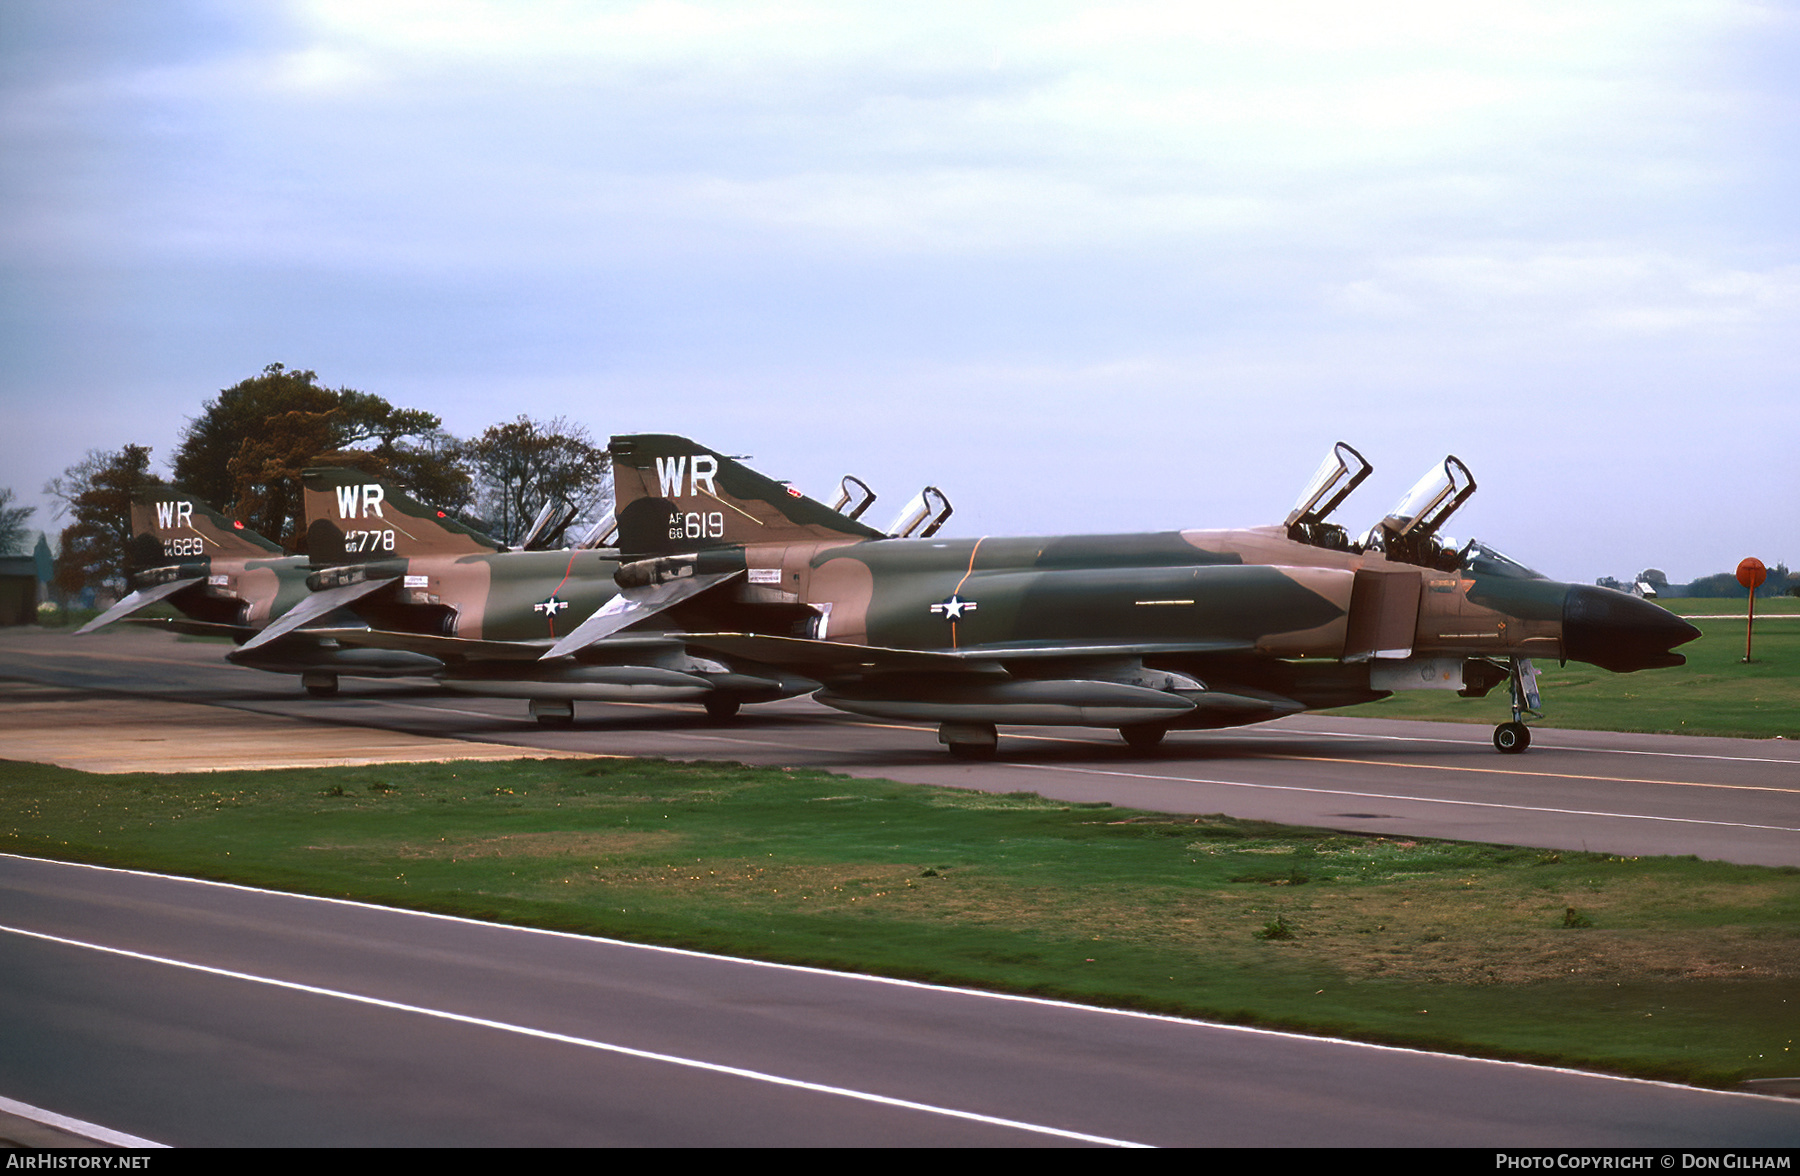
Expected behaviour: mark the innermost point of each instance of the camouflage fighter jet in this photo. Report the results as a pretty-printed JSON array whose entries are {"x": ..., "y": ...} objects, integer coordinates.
[
  {"x": 1146, "y": 633},
  {"x": 232, "y": 582},
  {"x": 418, "y": 582}
]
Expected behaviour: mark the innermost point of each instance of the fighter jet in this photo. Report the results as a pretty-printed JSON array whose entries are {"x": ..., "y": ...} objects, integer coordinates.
[
  {"x": 1146, "y": 633},
  {"x": 231, "y": 582},
  {"x": 414, "y": 581}
]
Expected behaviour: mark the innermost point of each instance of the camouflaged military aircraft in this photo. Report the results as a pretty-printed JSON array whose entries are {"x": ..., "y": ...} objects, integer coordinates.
[
  {"x": 232, "y": 582},
  {"x": 414, "y": 581},
  {"x": 1145, "y": 633}
]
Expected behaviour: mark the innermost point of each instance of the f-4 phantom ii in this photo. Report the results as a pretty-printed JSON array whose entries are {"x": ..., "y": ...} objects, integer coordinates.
[
  {"x": 412, "y": 581},
  {"x": 1146, "y": 633},
  {"x": 231, "y": 582}
]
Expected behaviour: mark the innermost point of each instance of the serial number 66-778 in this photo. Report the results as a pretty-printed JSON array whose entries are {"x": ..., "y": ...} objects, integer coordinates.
[{"x": 359, "y": 541}]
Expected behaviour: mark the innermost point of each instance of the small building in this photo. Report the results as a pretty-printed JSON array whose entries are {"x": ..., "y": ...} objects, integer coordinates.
[{"x": 18, "y": 590}]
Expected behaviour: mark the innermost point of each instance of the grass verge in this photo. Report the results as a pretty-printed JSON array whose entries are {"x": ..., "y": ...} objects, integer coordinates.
[{"x": 1666, "y": 967}]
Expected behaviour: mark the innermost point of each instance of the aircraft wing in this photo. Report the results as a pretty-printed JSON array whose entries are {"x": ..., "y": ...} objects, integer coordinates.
[
  {"x": 833, "y": 658},
  {"x": 139, "y": 599},
  {"x": 462, "y": 649},
  {"x": 443, "y": 648}
]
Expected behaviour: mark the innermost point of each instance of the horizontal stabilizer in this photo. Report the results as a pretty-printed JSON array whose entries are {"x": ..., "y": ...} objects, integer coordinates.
[
  {"x": 315, "y": 607},
  {"x": 633, "y": 605},
  {"x": 140, "y": 599}
]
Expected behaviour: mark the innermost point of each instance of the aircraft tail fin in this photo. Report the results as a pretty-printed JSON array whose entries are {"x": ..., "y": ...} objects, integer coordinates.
[
  {"x": 171, "y": 527},
  {"x": 354, "y": 517},
  {"x": 674, "y": 495}
]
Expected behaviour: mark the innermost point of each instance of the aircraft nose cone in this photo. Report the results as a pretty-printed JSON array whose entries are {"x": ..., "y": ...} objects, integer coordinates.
[{"x": 1621, "y": 633}]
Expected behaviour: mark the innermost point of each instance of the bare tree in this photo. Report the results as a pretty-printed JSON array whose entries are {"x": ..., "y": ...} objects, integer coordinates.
[{"x": 521, "y": 465}]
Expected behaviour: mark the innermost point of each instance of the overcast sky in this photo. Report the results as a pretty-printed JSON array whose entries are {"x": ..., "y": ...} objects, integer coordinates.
[{"x": 1086, "y": 267}]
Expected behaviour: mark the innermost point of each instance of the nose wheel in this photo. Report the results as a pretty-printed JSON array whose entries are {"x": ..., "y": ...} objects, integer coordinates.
[
  {"x": 1514, "y": 737},
  {"x": 1511, "y": 738}
]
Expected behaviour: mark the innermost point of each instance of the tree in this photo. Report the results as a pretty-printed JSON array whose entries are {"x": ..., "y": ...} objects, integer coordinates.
[
  {"x": 98, "y": 491},
  {"x": 523, "y": 464},
  {"x": 246, "y": 449},
  {"x": 12, "y": 523}
]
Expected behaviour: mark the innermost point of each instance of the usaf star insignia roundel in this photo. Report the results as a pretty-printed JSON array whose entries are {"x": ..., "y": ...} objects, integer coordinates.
[
  {"x": 954, "y": 608},
  {"x": 550, "y": 607}
]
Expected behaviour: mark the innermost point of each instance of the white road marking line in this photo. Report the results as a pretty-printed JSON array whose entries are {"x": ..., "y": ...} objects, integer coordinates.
[
  {"x": 1519, "y": 808},
  {"x": 79, "y": 1127},
  {"x": 1498, "y": 771},
  {"x": 587, "y": 1043},
  {"x": 376, "y": 703}
]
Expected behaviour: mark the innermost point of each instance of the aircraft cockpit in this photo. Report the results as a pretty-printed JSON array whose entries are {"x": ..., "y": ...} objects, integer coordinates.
[
  {"x": 923, "y": 516},
  {"x": 1409, "y": 533},
  {"x": 1343, "y": 470},
  {"x": 854, "y": 494},
  {"x": 1478, "y": 559}
]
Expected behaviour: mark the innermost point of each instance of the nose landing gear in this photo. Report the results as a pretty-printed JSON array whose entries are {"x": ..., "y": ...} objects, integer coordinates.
[{"x": 1514, "y": 737}]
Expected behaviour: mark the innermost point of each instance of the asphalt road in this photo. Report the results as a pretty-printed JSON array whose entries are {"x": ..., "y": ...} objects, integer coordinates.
[{"x": 196, "y": 1014}]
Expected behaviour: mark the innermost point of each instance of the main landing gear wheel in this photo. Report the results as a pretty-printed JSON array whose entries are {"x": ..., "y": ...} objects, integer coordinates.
[
  {"x": 553, "y": 712},
  {"x": 320, "y": 685},
  {"x": 1143, "y": 738},
  {"x": 969, "y": 741},
  {"x": 1512, "y": 738},
  {"x": 721, "y": 706}
]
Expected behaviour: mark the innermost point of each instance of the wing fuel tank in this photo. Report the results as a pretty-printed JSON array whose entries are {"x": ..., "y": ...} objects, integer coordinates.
[{"x": 1064, "y": 702}]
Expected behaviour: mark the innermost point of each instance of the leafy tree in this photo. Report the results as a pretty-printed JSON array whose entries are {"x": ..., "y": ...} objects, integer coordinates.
[
  {"x": 246, "y": 449},
  {"x": 98, "y": 491},
  {"x": 523, "y": 464},
  {"x": 12, "y": 523}
]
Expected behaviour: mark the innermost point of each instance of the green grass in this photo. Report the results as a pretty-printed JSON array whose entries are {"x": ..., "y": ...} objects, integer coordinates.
[
  {"x": 1675, "y": 968},
  {"x": 1714, "y": 694}
]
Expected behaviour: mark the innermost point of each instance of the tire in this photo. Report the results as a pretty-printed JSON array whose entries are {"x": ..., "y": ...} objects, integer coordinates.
[
  {"x": 322, "y": 689},
  {"x": 972, "y": 751},
  {"x": 721, "y": 706},
  {"x": 1143, "y": 738},
  {"x": 556, "y": 720},
  {"x": 1511, "y": 738}
]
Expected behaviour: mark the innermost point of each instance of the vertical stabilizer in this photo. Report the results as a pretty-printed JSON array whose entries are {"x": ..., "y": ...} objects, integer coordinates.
[
  {"x": 352, "y": 517},
  {"x": 171, "y": 527},
  {"x": 675, "y": 495}
]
